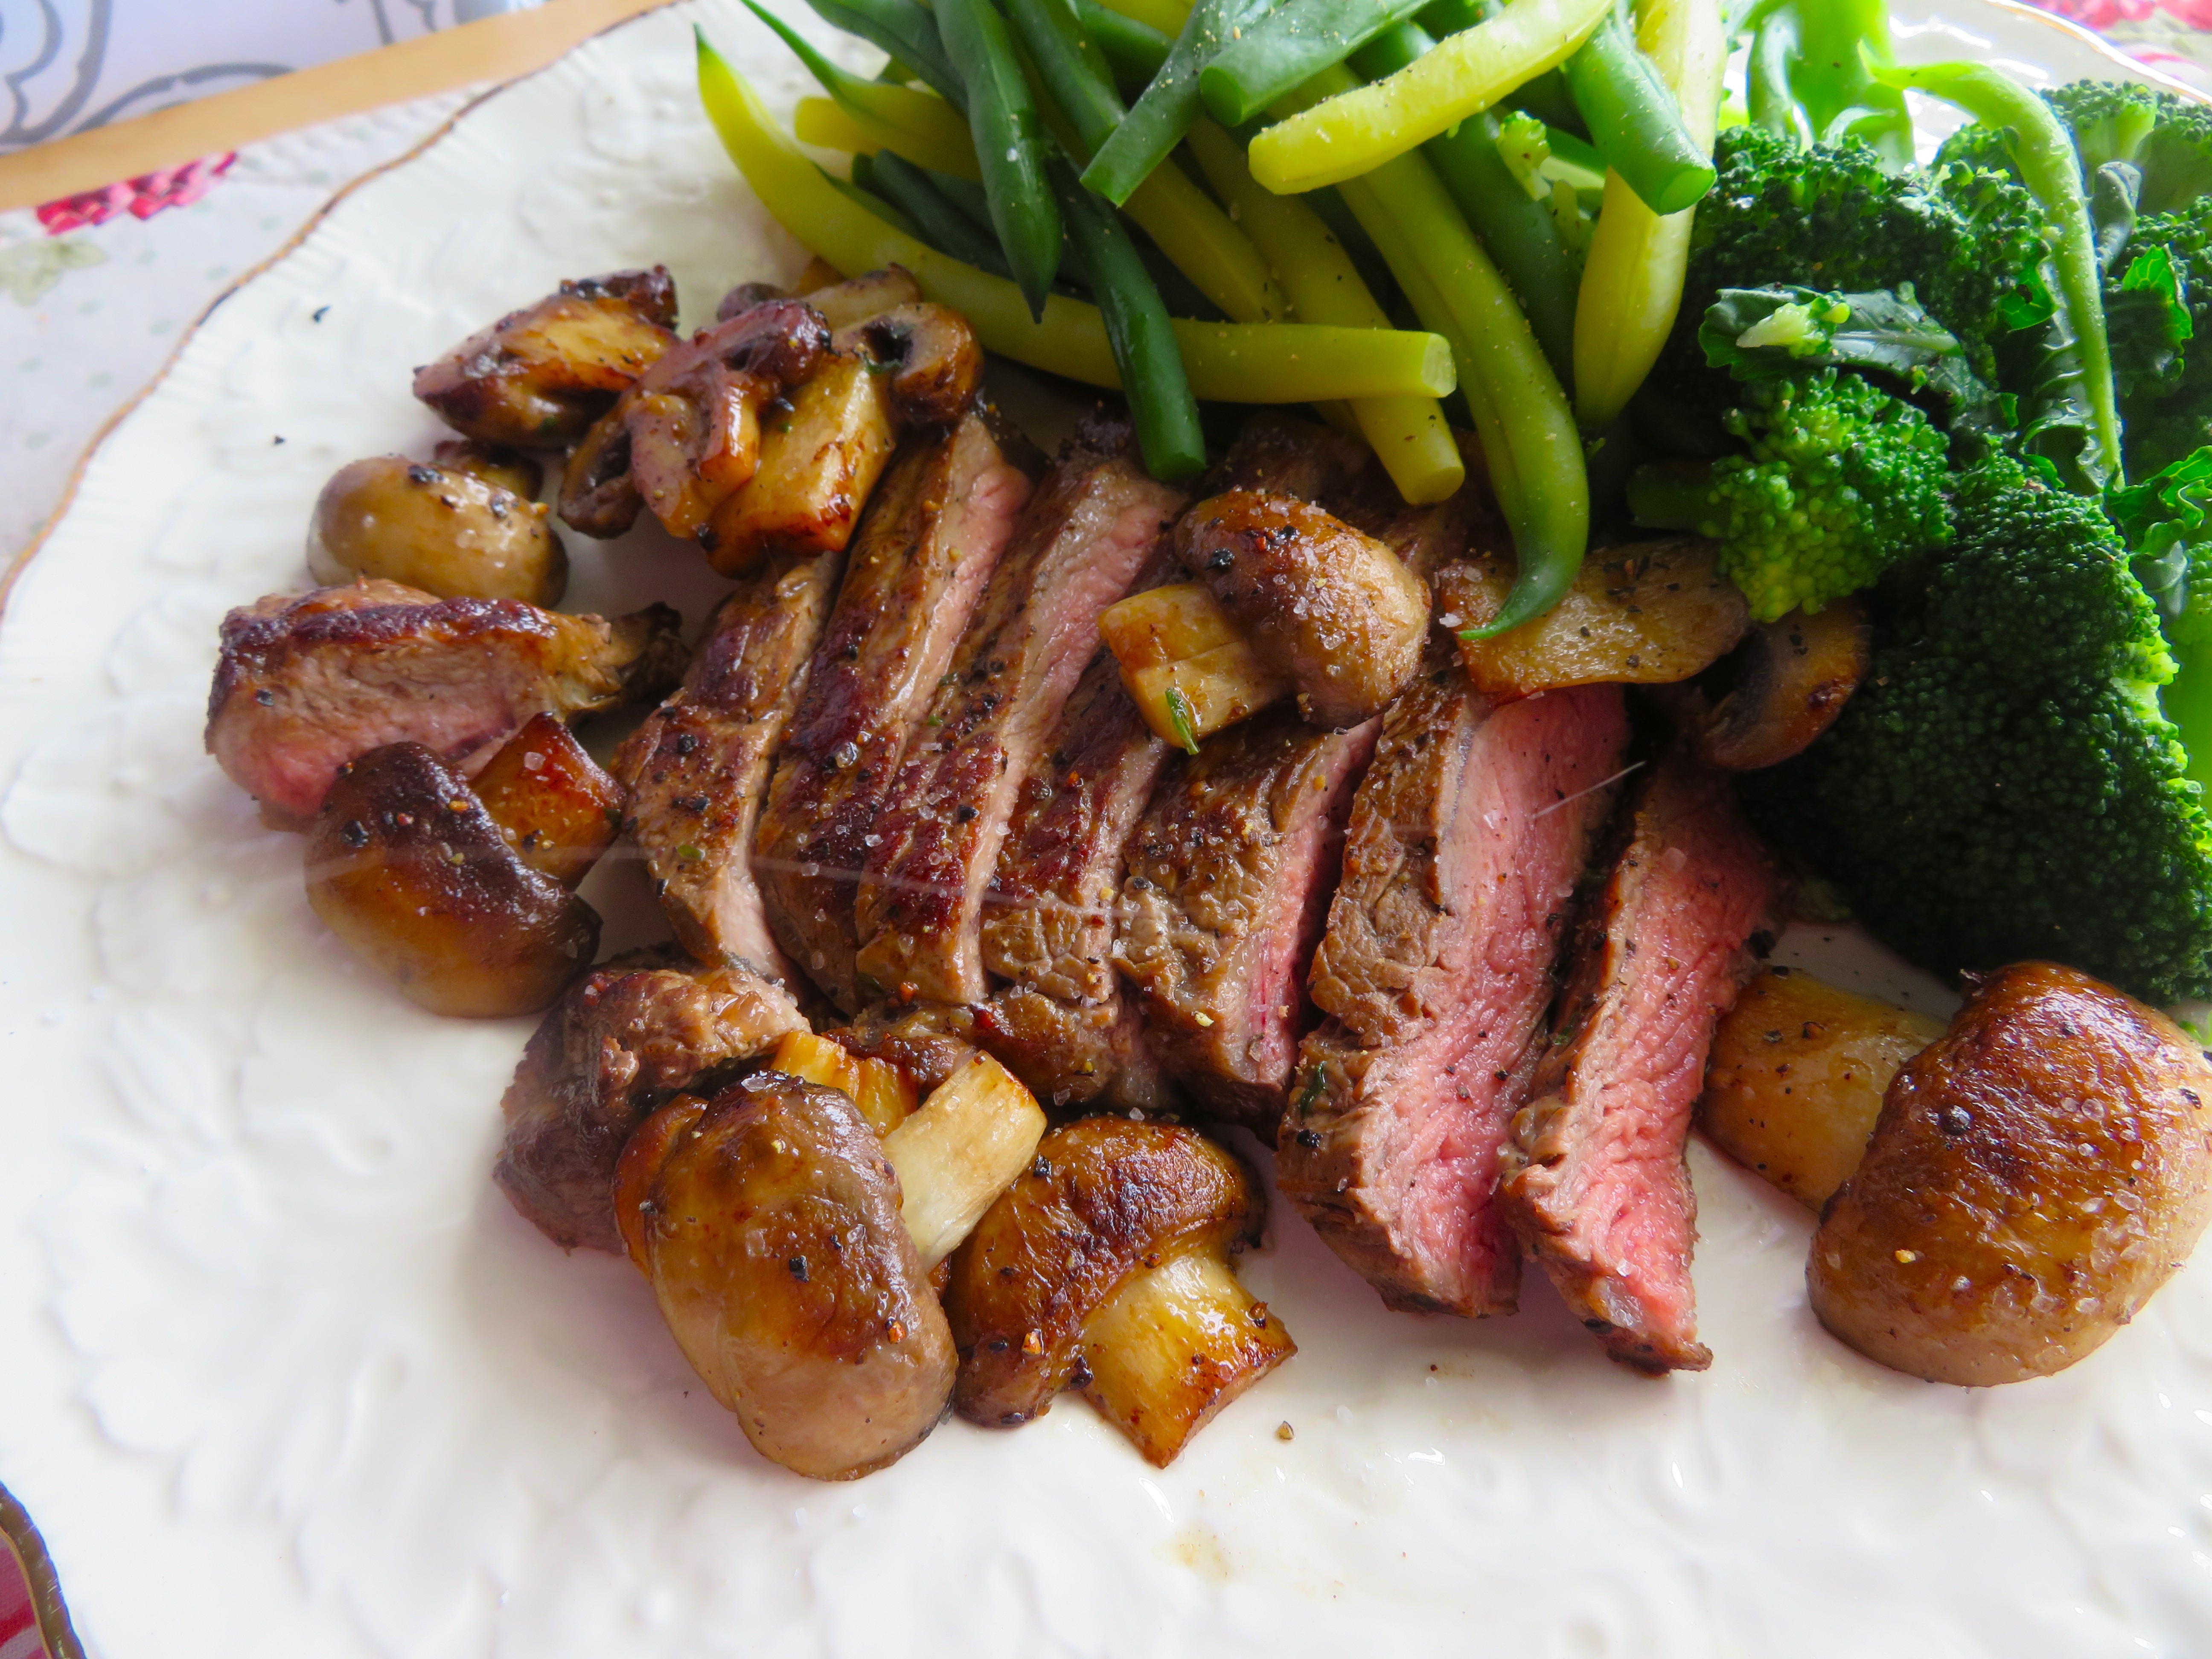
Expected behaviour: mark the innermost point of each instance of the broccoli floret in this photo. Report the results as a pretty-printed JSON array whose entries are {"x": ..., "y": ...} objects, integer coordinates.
[
  {"x": 2166, "y": 139},
  {"x": 2004, "y": 785},
  {"x": 1829, "y": 217},
  {"x": 1841, "y": 480}
]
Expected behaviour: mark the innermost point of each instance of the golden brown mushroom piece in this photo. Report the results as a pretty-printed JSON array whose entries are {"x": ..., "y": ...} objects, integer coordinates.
[
  {"x": 552, "y": 802},
  {"x": 446, "y": 530},
  {"x": 1796, "y": 1077},
  {"x": 1332, "y": 610},
  {"x": 768, "y": 1222},
  {"x": 539, "y": 377},
  {"x": 1779, "y": 691},
  {"x": 2034, "y": 1176},
  {"x": 1648, "y": 614},
  {"x": 1106, "y": 1268},
  {"x": 686, "y": 436},
  {"x": 408, "y": 868}
]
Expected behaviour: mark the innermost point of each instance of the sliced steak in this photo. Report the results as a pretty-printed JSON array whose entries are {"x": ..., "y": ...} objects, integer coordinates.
[
  {"x": 1465, "y": 842},
  {"x": 698, "y": 767},
  {"x": 933, "y": 534},
  {"x": 1230, "y": 874},
  {"x": 1075, "y": 551},
  {"x": 624, "y": 1038},
  {"x": 1048, "y": 920},
  {"x": 306, "y": 684},
  {"x": 1281, "y": 455},
  {"x": 1594, "y": 1180}
]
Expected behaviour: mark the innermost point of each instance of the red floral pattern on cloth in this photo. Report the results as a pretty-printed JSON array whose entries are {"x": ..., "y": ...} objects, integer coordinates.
[
  {"x": 142, "y": 196},
  {"x": 2104, "y": 14}
]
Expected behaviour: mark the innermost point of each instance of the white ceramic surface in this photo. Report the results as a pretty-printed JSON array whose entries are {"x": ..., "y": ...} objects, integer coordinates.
[{"x": 280, "y": 1375}]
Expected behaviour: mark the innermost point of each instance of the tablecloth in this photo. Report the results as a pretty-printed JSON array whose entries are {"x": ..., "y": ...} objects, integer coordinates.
[{"x": 96, "y": 291}]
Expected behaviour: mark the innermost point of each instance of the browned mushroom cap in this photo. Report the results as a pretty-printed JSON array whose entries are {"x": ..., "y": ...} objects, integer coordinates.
[
  {"x": 1781, "y": 688},
  {"x": 406, "y": 866},
  {"x": 557, "y": 807},
  {"x": 1333, "y": 611},
  {"x": 935, "y": 360},
  {"x": 690, "y": 429},
  {"x": 2034, "y": 1176},
  {"x": 745, "y": 296},
  {"x": 439, "y": 529},
  {"x": 767, "y": 1221},
  {"x": 1104, "y": 1197},
  {"x": 540, "y": 376}
]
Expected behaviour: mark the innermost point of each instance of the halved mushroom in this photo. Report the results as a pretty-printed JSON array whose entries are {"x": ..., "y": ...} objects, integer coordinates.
[
  {"x": 1106, "y": 1268},
  {"x": 768, "y": 1222},
  {"x": 539, "y": 377},
  {"x": 557, "y": 807},
  {"x": 929, "y": 355},
  {"x": 976, "y": 1133},
  {"x": 856, "y": 299},
  {"x": 2035, "y": 1175},
  {"x": 408, "y": 869},
  {"x": 688, "y": 433},
  {"x": 1645, "y": 615},
  {"x": 496, "y": 464},
  {"x": 1779, "y": 691},
  {"x": 823, "y": 448},
  {"x": 445, "y": 530},
  {"x": 1185, "y": 663},
  {"x": 1329, "y": 609},
  {"x": 1796, "y": 1077},
  {"x": 885, "y": 1096}
]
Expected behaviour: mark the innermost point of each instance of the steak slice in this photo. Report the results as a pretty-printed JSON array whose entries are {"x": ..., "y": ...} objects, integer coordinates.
[
  {"x": 1465, "y": 842},
  {"x": 625, "y": 1037},
  {"x": 307, "y": 683},
  {"x": 698, "y": 767},
  {"x": 1278, "y": 454},
  {"x": 933, "y": 533},
  {"x": 1075, "y": 550},
  {"x": 1230, "y": 874},
  {"x": 1594, "y": 1180},
  {"x": 1062, "y": 1025}
]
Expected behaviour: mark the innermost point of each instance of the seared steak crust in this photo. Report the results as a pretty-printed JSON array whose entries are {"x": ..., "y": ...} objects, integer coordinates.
[
  {"x": 306, "y": 684},
  {"x": 624, "y": 1038},
  {"x": 697, "y": 768},
  {"x": 1062, "y": 1025},
  {"x": 1229, "y": 877},
  {"x": 1595, "y": 1181},
  {"x": 1074, "y": 552},
  {"x": 1465, "y": 842},
  {"x": 933, "y": 534}
]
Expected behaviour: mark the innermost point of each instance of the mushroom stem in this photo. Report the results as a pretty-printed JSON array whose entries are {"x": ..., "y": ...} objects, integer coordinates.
[
  {"x": 1174, "y": 1344},
  {"x": 976, "y": 1132}
]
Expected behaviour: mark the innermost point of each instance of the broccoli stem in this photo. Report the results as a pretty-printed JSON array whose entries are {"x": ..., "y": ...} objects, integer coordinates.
[
  {"x": 2043, "y": 152},
  {"x": 1671, "y": 495}
]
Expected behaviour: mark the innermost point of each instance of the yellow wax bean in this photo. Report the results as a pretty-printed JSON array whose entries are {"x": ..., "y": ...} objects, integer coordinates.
[
  {"x": 1360, "y": 128},
  {"x": 1632, "y": 280}
]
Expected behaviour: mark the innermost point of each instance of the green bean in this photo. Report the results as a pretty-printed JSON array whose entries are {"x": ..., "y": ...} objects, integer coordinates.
[
  {"x": 1366, "y": 126},
  {"x": 1408, "y": 435},
  {"x": 2051, "y": 169},
  {"x": 857, "y": 189},
  {"x": 1158, "y": 119},
  {"x": 966, "y": 195},
  {"x": 1635, "y": 122},
  {"x": 1135, "y": 49},
  {"x": 1519, "y": 412},
  {"x": 1518, "y": 232},
  {"x": 1137, "y": 328},
  {"x": 903, "y": 28},
  {"x": 914, "y": 190},
  {"x": 1074, "y": 72},
  {"x": 1252, "y": 363},
  {"x": 1288, "y": 47},
  {"x": 1010, "y": 144}
]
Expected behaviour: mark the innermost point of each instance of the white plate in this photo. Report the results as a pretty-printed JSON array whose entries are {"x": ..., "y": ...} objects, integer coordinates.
[{"x": 280, "y": 1373}]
